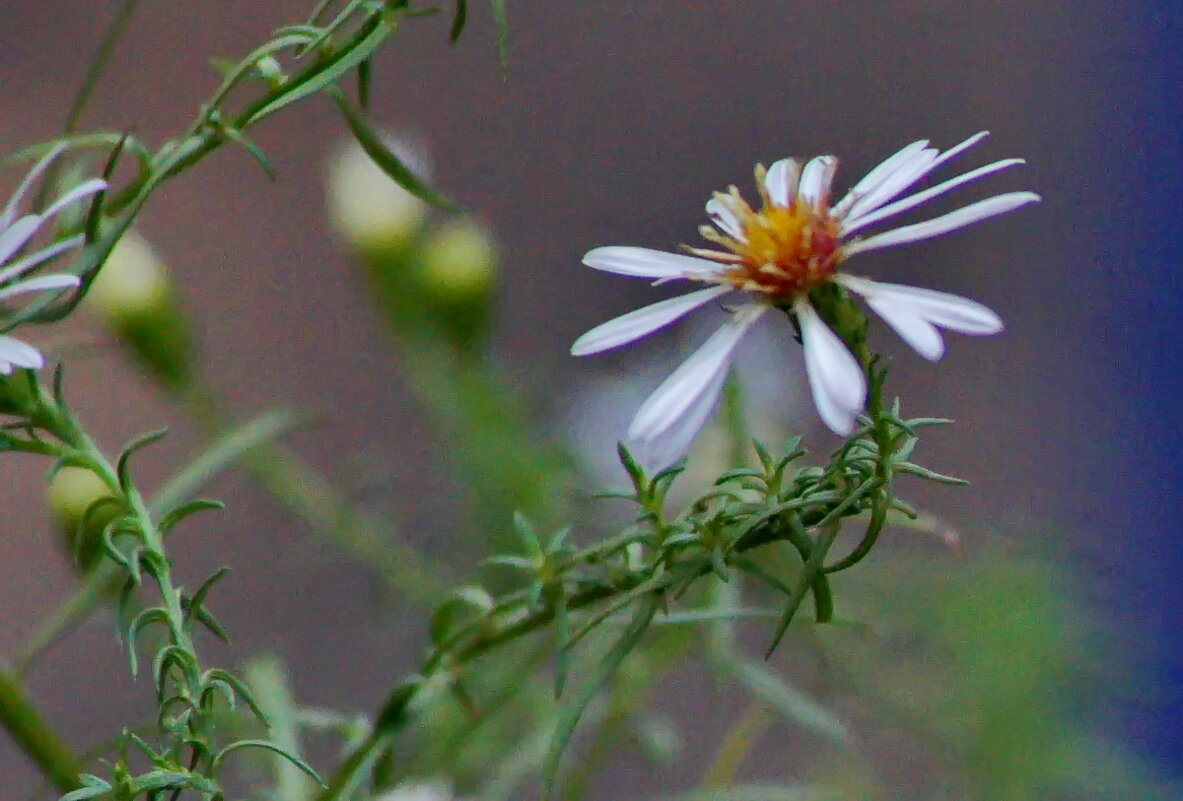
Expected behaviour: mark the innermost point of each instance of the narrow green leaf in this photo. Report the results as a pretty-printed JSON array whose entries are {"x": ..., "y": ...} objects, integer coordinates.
[
  {"x": 84, "y": 793},
  {"x": 569, "y": 716},
  {"x": 181, "y": 512},
  {"x": 198, "y": 599},
  {"x": 144, "y": 618},
  {"x": 562, "y": 634},
  {"x": 502, "y": 22},
  {"x": 275, "y": 749},
  {"x": 142, "y": 441},
  {"x": 364, "y": 76},
  {"x": 159, "y": 780},
  {"x": 526, "y": 534},
  {"x": 220, "y": 454},
  {"x": 377, "y": 150},
  {"x": 930, "y": 475},
  {"x": 246, "y": 143},
  {"x": 240, "y": 687},
  {"x": 459, "y": 17},
  {"x": 323, "y": 75}
]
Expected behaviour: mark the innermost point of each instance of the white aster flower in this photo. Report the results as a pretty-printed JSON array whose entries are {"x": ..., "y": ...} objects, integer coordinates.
[
  {"x": 774, "y": 256},
  {"x": 15, "y": 234}
]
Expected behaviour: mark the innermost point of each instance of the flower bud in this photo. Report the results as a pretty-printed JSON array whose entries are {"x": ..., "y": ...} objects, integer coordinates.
[
  {"x": 270, "y": 71},
  {"x": 136, "y": 299},
  {"x": 72, "y": 491},
  {"x": 18, "y": 393},
  {"x": 371, "y": 212},
  {"x": 457, "y": 274}
]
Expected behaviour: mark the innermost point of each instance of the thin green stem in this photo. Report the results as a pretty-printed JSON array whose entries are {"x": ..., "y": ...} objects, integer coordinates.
[
  {"x": 115, "y": 30},
  {"x": 739, "y": 741},
  {"x": 36, "y": 737},
  {"x": 304, "y": 490},
  {"x": 486, "y": 634}
]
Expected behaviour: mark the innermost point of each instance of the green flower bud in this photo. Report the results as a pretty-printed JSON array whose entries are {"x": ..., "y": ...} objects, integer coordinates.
[
  {"x": 135, "y": 298},
  {"x": 458, "y": 274},
  {"x": 371, "y": 212},
  {"x": 72, "y": 491},
  {"x": 18, "y": 393},
  {"x": 270, "y": 71}
]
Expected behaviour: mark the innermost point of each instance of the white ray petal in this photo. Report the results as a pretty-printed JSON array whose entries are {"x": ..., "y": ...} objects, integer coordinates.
[
  {"x": 10, "y": 210},
  {"x": 33, "y": 259},
  {"x": 967, "y": 215},
  {"x": 922, "y": 335},
  {"x": 648, "y": 263},
  {"x": 84, "y": 189},
  {"x": 958, "y": 149},
  {"x": 724, "y": 218},
  {"x": 835, "y": 378},
  {"x": 781, "y": 181},
  {"x": 816, "y": 178},
  {"x": 907, "y": 174},
  {"x": 697, "y": 380},
  {"x": 883, "y": 170},
  {"x": 16, "y": 235},
  {"x": 15, "y": 352},
  {"x": 38, "y": 284},
  {"x": 939, "y": 308},
  {"x": 636, "y": 324},
  {"x": 659, "y": 452},
  {"x": 895, "y": 183},
  {"x": 855, "y": 223}
]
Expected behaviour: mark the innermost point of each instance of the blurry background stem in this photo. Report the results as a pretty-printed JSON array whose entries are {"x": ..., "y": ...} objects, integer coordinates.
[
  {"x": 34, "y": 736},
  {"x": 309, "y": 494}
]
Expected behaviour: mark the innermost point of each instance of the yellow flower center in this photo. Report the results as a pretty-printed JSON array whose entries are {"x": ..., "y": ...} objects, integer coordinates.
[{"x": 778, "y": 251}]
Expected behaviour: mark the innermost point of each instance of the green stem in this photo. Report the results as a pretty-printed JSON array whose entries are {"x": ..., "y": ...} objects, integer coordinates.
[
  {"x": 485, "y": 634},
  {"x": 111, "y": 37},
  {"x": 305, "y": 491},
  {"x": 115, "y": 30},
  {"x": 35, "y": 737},
  {"x": 741, "y": 737}
]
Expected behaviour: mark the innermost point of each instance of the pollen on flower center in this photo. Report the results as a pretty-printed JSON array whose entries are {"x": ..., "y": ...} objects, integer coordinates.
[{"x": 776, "y": 250}]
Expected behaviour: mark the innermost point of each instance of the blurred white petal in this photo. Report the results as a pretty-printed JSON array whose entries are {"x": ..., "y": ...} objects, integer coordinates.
[
  {"x": 33, "y": 259},
  {"x": 835, "y": 377},
  {"x": 636, "y": 324},
  {"x": 968, "y": 215},
  {"x": 10, "y": 209},
  {"x": 648, "y": 263},
  {"x": 781, "y": 182},
  {"x": 922, "y": 335},
  {"x": 876, "y": 176},
  {"x": 939, "y": 308},
  {"x": 38, "y": 284},
  {"x": 680, "y": 399},
  {"x": 84, "y": 189},
  {"x": 17, "y": 353},
  {"x": 724, "y": 218},
  {"x": 16, "y": 235},
  {"x": 816, "y": 178},
  {"x": 853, "y": 223}
]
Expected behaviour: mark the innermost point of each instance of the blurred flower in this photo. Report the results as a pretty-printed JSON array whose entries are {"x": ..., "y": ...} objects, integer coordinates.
[
  {"x": 72, "y": 491},
  {"x": 370, "y": 211},
  {"x": 15, "y": 234},
  {"x": 434, "y": 790},
  {"x": 777, "y": 255},
  {"x": 457, "y": 273},
  {"x": 135, "y": 297}
]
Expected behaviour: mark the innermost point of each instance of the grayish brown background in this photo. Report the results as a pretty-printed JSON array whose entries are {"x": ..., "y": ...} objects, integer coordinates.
[{"x": 612, "y": 125}]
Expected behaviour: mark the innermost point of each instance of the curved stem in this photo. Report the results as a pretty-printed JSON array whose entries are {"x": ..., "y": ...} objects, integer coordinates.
[
  {"x": 115, "y": 30},
  {"x": 35, "y": 737}
]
